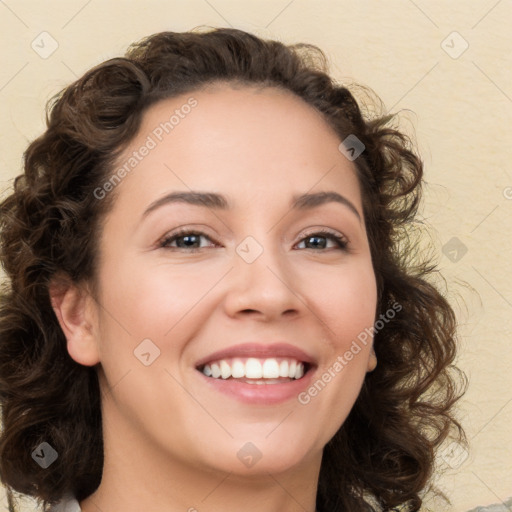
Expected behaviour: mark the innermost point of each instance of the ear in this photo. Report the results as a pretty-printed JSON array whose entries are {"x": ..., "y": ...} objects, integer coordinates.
[
  {"x": 76, "y": 312},
  {"x": 372, "y": 361}
]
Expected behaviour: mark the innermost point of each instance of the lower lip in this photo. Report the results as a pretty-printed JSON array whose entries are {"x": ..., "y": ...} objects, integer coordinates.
[{"x": 262, "y": 394}]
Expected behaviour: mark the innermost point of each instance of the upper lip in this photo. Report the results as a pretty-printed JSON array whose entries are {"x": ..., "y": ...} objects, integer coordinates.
[{"x": 259, "y": 350}]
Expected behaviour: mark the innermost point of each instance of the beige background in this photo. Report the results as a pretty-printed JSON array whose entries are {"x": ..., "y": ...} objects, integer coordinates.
[{"x": 459, "y": 105}]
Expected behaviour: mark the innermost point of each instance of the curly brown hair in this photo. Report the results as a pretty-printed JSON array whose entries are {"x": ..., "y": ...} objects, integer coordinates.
[{"x": 51, "y": 223}]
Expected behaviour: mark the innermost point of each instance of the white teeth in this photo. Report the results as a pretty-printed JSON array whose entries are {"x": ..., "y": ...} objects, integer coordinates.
[
  {"x": 283, "y": 369},
  {"x": 269, "y": 381},
  {"x": 291, "y": 369},
  {"x": 270, "y": 369},
  {"x": 215, "y": 371},
  {"x": 237, "y": 369},
  {"x": 253, "y": 368},
  {"x": 225, "y": 370}
]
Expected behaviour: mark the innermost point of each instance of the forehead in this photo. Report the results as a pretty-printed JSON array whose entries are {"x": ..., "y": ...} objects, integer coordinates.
[{"x": 245, "y": 141}]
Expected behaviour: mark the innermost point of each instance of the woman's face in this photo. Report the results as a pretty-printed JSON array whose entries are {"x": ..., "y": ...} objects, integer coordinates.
[{"x": 249, "y": 276}]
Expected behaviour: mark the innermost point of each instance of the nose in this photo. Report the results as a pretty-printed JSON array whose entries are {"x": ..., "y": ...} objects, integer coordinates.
[{"x": 263, "y": 287}]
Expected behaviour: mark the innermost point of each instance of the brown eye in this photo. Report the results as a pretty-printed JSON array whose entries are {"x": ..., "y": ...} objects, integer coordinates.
[{"x": 187, "y": 240}]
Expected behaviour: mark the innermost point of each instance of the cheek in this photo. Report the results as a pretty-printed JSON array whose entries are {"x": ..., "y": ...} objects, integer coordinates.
[
  {"x": 141, "y": 302},
  {"x": 346, "y": 308},
  {"x": 156, "y": 300},
  {"x": 345, "y": 300}
]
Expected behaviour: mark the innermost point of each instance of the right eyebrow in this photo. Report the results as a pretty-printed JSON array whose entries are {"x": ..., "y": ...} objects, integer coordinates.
[{"x": 206, "y": 199}]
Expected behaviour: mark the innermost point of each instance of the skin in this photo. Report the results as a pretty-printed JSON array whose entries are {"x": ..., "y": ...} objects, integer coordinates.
[{"x": 170, "y": 441}]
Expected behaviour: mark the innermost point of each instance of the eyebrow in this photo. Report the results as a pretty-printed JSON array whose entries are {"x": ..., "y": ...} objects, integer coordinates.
[{"x": 219, "y": 202}]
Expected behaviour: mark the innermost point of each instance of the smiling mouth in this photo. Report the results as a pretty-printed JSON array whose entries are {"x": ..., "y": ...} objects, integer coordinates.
[{"x": 251, "y": 370}]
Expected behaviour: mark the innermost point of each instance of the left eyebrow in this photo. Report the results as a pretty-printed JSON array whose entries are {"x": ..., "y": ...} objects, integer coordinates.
[{"x": 307, "y": 201}]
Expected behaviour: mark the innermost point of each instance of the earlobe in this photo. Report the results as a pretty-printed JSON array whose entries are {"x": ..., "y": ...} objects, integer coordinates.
[
  {"x": 76, "y": 313},
  {"x": 372, "y": 361}
]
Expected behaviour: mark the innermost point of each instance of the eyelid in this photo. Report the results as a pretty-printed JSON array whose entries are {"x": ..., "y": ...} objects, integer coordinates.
[{"x": 323, "y": 230}]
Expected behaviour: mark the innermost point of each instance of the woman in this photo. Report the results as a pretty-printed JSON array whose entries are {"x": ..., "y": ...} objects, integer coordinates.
[{"x": 213, "y": 302}]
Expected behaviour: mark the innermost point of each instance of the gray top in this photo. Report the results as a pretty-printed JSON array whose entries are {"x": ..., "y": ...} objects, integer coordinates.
[
  {"x": 503, "y": 507},
  {"x": 67, "y": 504}
]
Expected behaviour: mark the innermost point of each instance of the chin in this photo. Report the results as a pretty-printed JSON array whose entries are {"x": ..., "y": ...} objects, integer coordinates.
[{"x": 260, "y": 456}]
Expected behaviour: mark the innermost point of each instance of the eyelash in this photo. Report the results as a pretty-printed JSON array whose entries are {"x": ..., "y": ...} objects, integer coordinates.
[{"x": 341, "y": 241}]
